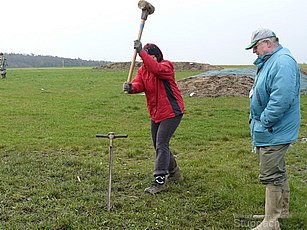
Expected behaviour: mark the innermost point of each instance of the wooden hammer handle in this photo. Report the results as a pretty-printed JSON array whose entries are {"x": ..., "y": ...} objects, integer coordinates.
[{"x": 135, "y": 52}]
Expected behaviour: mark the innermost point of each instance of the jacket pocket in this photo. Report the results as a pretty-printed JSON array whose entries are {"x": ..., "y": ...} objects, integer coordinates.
[
  {"x": 258, "y": 98},
  {"x": 261, "y": 134}
]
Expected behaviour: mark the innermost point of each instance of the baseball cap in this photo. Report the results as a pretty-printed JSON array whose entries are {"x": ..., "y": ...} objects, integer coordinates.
[{"x": 258, "y": 35}]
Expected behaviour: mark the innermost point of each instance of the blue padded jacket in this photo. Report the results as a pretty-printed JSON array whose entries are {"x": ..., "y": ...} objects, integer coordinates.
[{"x": 275, "y": 99}]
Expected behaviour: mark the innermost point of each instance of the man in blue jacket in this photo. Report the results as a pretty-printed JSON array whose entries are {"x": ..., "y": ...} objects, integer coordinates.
[
  {"x": 274, "y": 119},
  {"x": 2, "y": 65}
]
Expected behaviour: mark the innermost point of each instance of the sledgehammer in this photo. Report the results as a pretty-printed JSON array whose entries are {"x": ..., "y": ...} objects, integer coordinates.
[
  {"x": 111, "y": 136},
  {"x": 147, "y": 9}
]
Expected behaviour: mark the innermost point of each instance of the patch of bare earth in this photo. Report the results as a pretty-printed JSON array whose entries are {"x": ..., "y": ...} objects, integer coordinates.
[
  {"x": 304, "y": 71},
  {"x": 216, "y": 86}
]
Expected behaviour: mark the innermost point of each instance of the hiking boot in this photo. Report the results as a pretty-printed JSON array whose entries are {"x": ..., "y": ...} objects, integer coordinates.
[
  {"x": 158, "y": 185},
  {"x": 175, "y": 175}
]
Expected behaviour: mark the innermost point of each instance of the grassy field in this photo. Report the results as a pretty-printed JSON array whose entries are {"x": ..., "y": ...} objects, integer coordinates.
[{"x": 54, "y": 171}]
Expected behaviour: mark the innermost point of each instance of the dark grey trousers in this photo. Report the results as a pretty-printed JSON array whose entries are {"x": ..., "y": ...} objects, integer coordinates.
[{"x": 161, "y": 134}]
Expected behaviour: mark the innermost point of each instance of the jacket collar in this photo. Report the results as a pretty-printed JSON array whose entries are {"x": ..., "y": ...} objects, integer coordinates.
[{"x": 259, "y": 62}]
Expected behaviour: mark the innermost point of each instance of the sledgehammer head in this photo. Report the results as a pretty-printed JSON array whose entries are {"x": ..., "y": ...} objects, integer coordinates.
[{"x": 146, "y": 8}]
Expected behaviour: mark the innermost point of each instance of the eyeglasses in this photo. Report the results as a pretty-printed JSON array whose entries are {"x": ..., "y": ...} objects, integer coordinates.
[{"x": 259, "y": 42}]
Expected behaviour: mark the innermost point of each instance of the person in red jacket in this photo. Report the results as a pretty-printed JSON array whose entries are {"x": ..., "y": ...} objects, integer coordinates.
[{"x": 156, "y": 78}]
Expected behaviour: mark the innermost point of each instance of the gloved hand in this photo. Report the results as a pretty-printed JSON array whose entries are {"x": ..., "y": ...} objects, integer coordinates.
[
  {"x": 127, "y": 87},
  {"x": 138, "y": 46}
]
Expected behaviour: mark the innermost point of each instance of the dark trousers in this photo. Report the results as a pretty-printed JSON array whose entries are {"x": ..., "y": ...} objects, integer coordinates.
[{"x": 161, "y": 134}]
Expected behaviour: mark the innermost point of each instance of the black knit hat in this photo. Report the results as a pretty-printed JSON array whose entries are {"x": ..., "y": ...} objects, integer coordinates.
[{"x": 152, "y": 49}]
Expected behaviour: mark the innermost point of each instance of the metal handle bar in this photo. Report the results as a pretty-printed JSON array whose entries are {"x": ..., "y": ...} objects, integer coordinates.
[{"x": 112, "y": 135}]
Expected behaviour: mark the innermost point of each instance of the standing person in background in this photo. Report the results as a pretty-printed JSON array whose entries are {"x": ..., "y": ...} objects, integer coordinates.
[
  {"x": 2, "y": 65},
  {"x": 274, "y": 120},
  {"x": 156, "y": 78}
]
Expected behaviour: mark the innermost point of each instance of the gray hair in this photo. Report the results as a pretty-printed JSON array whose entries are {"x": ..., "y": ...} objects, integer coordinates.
[{"x": 274, "y": 40}]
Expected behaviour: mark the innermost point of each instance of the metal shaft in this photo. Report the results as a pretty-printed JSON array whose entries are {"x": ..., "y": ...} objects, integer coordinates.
[
  {"x": 111, "y": 136},
  {"x": 110, "y": 173}
]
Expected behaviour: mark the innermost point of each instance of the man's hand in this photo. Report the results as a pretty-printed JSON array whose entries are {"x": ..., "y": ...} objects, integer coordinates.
[
  {"x": 127, "y": 87},
  {"x": 138, "y": 46}
]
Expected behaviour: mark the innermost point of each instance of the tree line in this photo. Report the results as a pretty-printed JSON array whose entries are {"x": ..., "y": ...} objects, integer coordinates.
[{"x": 31, "y": 61}]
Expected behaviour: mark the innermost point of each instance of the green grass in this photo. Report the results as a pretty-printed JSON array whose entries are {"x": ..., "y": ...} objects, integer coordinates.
[
  {"x": 303, "y": 67},
  {"x": 54, "y": 170}
]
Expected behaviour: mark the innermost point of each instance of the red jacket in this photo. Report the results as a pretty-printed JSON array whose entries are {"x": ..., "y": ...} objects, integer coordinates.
[{"x": 157, "y": 80}]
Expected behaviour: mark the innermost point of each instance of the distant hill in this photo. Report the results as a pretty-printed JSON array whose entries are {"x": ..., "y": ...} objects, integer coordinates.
[
  {"x": 32, "y": 61},
  {"x": 179, "y": 66}
]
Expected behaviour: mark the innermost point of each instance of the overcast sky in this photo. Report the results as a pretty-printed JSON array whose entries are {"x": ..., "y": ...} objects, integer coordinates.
[{"x": 205, "y": 31}]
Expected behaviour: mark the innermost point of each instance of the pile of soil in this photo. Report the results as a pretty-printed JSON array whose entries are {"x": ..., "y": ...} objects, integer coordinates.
[
  {"x": 304, "y": 71},
  {"x": 179, "y": 66},
  {"x": 119, "y": 66},
  {"x": 216, "y": 86},
  {"x": 193, "y": 66}
]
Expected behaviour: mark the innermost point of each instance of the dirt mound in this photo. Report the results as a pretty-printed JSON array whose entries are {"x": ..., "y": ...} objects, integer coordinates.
[
  {"x": 216, "y": 86},
  {"x": 120, "y": 65},
  {"x": 304, "y": 71},
  {"x": 179, "y": 66}
]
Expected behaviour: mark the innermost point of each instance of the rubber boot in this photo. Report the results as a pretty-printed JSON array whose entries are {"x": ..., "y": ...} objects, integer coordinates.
[
  {"x": 285, "y": 197},
  {"x": 285, "y": 200},
  {"x": 273, "y": 207}
]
